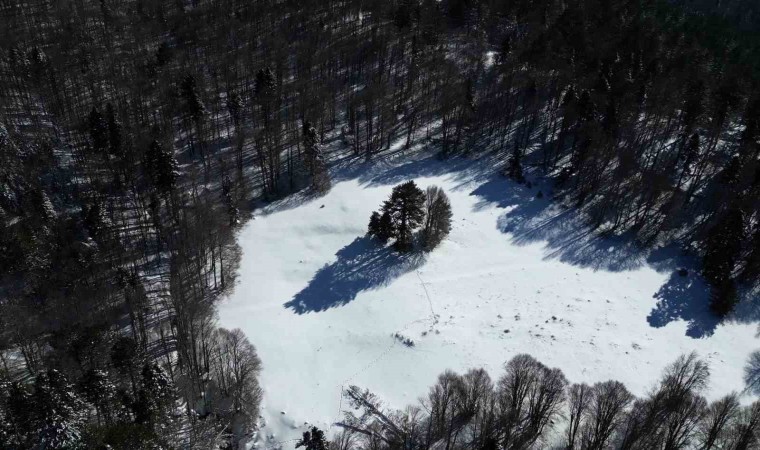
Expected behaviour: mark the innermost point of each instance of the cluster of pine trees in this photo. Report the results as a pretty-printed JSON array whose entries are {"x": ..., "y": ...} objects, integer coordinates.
[
  {"x": 408, "y": 209},
  {"x": 534, "y": 406}
]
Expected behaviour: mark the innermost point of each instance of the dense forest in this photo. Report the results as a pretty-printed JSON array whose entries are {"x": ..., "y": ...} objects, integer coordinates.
[{"x": 136, "y": 135}]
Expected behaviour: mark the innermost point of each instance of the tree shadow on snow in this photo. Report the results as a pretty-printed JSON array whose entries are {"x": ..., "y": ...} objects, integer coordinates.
[
  {"x": 387, "y": 171},
  {"x": 569, "y": 239},
  {"x": 362, "y": 265},
  {"x": 564, "y": 231},
  {"x": 685, "y": 298},
  {"x": 688, "y": 298},
  {"x": 422, "y": 164}
]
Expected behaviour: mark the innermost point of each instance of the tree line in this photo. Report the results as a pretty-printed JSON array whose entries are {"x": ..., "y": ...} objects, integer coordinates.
[{"x": 534, "y": 406}]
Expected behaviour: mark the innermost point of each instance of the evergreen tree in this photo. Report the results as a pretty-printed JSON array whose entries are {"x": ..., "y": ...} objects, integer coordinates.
[
  {"x": 98, "y": 128},
  {"x": 265, "y": 83},
  {"x": 687, "y": 157},
  {"x": 320, "y": 178},
  {"x": 19, "y": 419},
  {"x": 405, "y": 209},
  {"x": 155, "y": 399},
  {"x": 98, "y": 390},
  {"x": 515, "y": 170},
  {"x": 722, "y": 248},
  {"x": 124, "y": 356},
  {"x": 374, "y": 224},
  {"x": 161, "y": 167},
  {"x": 235, "y": 108},
  {"x": 386, "y": 229},
  {"x": 264, "y": 88},
  {"x": 313, "y": 439},
  {"x": 193, "y": 104},
  {"x": 232, "y": 210},
  {"x": 57, "y": 412}
]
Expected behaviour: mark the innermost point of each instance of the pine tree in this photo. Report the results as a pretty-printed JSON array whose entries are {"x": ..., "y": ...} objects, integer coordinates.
[
  {"x": 385, "y": 229},
  {"x": 264, "y": 89},
  {"x": 98, "y": 390},
  {"x": 722, "y": 248},
  {"x": 57, "y": 412},
  {"x": 515, "y": 170},
  {"x": 235, "y": 107},
  {"x": 687, "y": 157},
  {"x": 313, "y": 439},
  {"x": 374, "y": 224},
  {"x": 161, "y": 167},
  {"x": 405, "y": 209},
  {"x": 19, "y": 419},
  {"x": 265, "y": 83},
  {"x": 98, "y": 129},
  {"x": 193, "y": 104},
  {"x": 124, "y": 356},
  {"x": 229, "y": 201},
  {"x": 155, "y": 398},
  {"x": 320, "y": 178}
]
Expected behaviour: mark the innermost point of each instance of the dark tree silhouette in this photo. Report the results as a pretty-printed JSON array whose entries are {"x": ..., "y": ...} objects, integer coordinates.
[
  {"x": 722, "y": 249},
  {"x": 437, "y": 217},
  {"x": 405, "y": 209},
  {"x": 313, "y": 439}
]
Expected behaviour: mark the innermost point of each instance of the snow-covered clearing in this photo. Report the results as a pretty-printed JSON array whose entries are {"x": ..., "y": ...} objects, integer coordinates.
[{"x": 518, "y": 274}]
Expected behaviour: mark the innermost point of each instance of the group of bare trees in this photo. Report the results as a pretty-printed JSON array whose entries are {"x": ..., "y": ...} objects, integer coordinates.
[{"x": 534, "y": 406}]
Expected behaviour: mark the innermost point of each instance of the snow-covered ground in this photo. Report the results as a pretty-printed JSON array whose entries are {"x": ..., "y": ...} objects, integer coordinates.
[{"x": 518, "y": 274}]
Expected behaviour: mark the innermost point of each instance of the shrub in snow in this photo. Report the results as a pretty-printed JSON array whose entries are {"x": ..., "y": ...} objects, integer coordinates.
[{"x": 404, "y": 340}]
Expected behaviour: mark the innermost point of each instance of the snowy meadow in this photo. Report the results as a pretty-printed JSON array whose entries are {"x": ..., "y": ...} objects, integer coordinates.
[{"x": 328, "y": 307}]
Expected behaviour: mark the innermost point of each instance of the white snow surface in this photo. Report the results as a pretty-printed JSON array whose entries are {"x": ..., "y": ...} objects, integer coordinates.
[{"x": 321, "y": 302}]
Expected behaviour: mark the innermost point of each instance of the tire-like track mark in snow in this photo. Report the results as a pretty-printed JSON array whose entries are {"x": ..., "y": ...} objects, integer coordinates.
[{"x": 433, "y": 315}]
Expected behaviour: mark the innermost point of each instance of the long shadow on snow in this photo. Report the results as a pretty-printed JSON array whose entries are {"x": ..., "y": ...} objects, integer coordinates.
[
  {"x": 388, "y": 172},
  {"x": 362, "y": 265},
  {"x": 568, "y": 238},
  {"x": 571, "y": 240},
  {"x": 424, "y": 163},
  {"x": 686, "y": 298}
]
